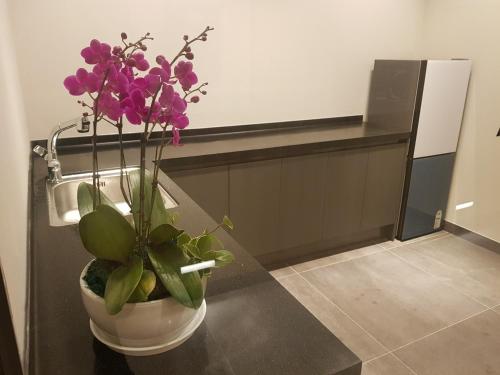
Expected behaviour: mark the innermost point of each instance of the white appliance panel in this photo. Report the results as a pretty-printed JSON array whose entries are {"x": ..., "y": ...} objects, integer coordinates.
[{"x": 441, "y": 111}]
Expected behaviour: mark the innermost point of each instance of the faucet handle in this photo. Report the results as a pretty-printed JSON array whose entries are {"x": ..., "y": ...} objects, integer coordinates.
[
  {"x": 83, "y": 125},
  {"x": 40, "y": 151}
]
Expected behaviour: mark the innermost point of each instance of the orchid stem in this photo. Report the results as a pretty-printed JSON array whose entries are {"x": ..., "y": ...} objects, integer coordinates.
[
  {"x": 142, "y": 224},
  {"x": 123, "y": 165},
  {"x": 96, "y": 198},
  {"x": 158, "y": 154},
  {"x": 187, "y": 43}
]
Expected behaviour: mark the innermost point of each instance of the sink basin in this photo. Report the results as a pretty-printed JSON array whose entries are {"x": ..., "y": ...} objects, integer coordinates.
[{"x": 62, "y": 197}]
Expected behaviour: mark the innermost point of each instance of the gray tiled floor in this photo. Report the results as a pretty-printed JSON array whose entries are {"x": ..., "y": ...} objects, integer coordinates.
[{"x": 429, "y": 306}]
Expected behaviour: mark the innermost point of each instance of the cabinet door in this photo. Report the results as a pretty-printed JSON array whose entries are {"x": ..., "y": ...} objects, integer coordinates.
[
  {"x": 384, "y": 185},
  {"x": 344, "y": 190},
  {"x": 302, "y": 200},
  {"x": 254, "y": 196},
  {"x": 206, "y": 186}
]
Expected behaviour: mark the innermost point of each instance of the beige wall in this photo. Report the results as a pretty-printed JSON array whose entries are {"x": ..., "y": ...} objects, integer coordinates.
[
  {"x": 266, "y": 61},
  {"x": 14, "y": 164},
  {"x": 468, "y": 28}
]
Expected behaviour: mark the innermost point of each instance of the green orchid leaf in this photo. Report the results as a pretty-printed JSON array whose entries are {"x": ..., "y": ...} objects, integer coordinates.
[
  {"x": 106, "y": 234},
  {"x": 121, "y": 284},
  {"x": 187, "y": 289},
  {"x": 222, "y": 257},
  {"x": 204, "y": 243},
  {"x": 226, "y": 221},
  {"x": 207, "y": 242},
  {"x": 159, "y": 215},
  {"x": 144, "y": 288},
  {"x": 164, "y": 233},
  {"x": 185, "y": 242},
  {"x": 85, "y": 200},
  {"x": 216, "y": 243},
  {"x": 191, "y": 249},
  {"x": 183, "y": 239}
]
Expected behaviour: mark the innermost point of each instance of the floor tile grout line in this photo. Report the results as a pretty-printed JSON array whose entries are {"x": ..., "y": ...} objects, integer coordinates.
[
  {"x": 438, "y": 279},
  {"x": 485, "y": 308},
  {"x": 403, "y": 363},
  {"x": 493, "y": 308},
  {"x": 399, "y": 244},
  {"x": 284, "y": 276},
  {"x": 440, "y": 330},
  {"x": 389, "y": 351},
  {"x": 377, "y": 357},
  {"x": 436, "y": 237},
  {"x": 347, "y": 315},
  {"x": 430, "y": 239},
  {"x": 341, "y": 261},
  {"x": 390, "y": 354}
]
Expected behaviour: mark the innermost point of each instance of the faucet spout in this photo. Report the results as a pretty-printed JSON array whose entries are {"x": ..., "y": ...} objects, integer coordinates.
[{"x": 82, "y": 125}]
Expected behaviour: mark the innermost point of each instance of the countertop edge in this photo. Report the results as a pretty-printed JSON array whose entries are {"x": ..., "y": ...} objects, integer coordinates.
[
  {"x": 203, "y": 160},
  {"x": 326, "y": 122}
]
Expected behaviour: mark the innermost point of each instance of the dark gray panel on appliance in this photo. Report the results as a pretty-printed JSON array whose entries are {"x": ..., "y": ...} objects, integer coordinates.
[
  {"x": 428, "y": 193},
  {"x": 393, "y": 91}
]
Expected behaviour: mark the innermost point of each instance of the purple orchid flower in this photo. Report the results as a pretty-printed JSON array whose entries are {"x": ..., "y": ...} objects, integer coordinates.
[
  {"x": 82, "y": 82},
  {"x": 96, "y": 53},
  {"x": 117, "y": 82},
  {"x": 123, "y": 80},
  {"x": 184, "y": 73},
  {"x": 110, "y": 106},
  {"x": 155, "y": 113},
  {"x": 138, "y": 61},
  {"x": 171, "y": 101},
  {"x": 164, "y": 70},
  {"x": 133, "y": 106}
]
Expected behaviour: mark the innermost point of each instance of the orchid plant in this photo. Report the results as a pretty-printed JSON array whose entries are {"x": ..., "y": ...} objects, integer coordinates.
[{"x": 122, "y": 87}]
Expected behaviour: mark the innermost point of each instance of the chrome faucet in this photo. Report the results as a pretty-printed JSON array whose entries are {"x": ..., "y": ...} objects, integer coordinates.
[{"x": 82, "y": 125}]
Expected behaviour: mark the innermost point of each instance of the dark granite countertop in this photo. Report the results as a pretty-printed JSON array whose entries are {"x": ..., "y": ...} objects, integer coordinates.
[
  {"x": 252, "y": 326},
  {"x": 237, "y": 145}
]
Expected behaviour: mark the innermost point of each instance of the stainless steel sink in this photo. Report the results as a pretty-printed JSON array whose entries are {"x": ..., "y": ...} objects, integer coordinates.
[{"x": 62, "y": 197}]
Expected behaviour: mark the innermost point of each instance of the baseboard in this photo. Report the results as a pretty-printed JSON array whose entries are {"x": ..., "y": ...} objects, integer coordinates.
[
  {"x": 472, "y": 237},
  {"x": 324, "y": 248}
]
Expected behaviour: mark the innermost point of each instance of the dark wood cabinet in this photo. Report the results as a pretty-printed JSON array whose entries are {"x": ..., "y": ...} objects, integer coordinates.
[
  {"x": 209, "y": 187},
  {"x": 302, "y": 204},
  {"x": 384, "y": 185},
  {"x": 254, "y": 202},
  {"x": 302, "y": 200},
  {"x": 344, "y": 192}
]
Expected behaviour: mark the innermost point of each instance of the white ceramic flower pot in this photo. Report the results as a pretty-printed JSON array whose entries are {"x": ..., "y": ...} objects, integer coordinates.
[{"x": 144, "y": 328}]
